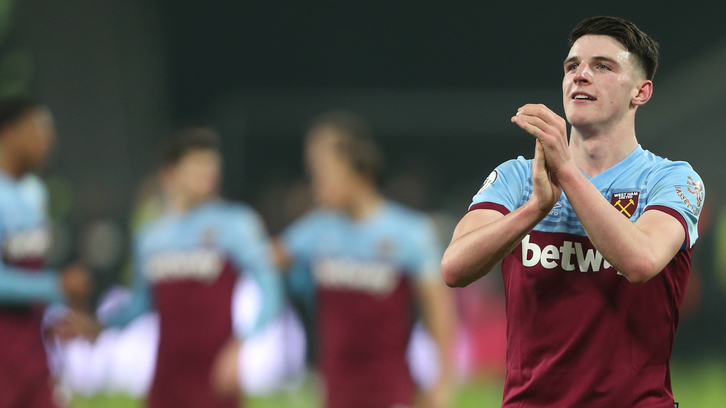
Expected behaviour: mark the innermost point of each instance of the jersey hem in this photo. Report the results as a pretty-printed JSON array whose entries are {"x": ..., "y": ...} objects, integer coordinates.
[
  {"x": 675, "y": 214},
  {"x": 490, "y": 206}
]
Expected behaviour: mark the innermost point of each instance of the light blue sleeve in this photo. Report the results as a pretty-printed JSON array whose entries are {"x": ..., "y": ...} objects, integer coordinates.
[
  {"x": 141, "y": 298},
  {"x": 426, "y": 251},
  {"x": 251, "y": 250},
  {"x": 505, "y": 185},
  {"x": 300, "y": 236},
  {"x": 20, "y": 286},
  {"x": 678, "y": 187}
]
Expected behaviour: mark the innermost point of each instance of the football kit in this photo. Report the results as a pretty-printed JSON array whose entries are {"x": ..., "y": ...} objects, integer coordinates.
[
  {"x": 186, "y": 268},
  {"x": 364, "y": 274},
  {"x": 25, "y": 289},
  {"x": 580, "y": 334}
]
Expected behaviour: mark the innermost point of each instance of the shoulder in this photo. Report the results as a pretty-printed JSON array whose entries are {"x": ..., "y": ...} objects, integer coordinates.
[
  {"x": 661, "y": 165},
  {"x": 33, "y": 188},
  {"x": 405, "y": 217},
  {"x": 511, "y": 171}
]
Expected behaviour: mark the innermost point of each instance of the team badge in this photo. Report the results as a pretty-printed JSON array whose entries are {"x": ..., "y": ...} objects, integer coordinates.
[
  {"x": 626, "y": 203},
  {"x": 694, "y": 187},
  {"x": 489, "y": 181},
  {"x": 385, "y": 249},
  {"x": 209, "y": 237}
]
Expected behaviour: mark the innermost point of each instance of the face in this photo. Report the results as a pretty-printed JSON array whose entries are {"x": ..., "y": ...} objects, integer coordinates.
[
  {"x": 34, "y": 135},
  {"x": 197, "y": 175},
  {"x": 333, "y": 178},
  {"x": 602, "y": 82}
]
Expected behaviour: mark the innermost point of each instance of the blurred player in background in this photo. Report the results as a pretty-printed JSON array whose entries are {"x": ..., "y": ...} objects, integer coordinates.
[
  {"x": 26, "y": 137},
  {"x": 594, "y": 277},
  {"x": 187, "y": 264},
  {"x": 370, "y": 260}
]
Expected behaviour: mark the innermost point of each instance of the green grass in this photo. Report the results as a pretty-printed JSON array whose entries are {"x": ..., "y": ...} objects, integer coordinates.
[{"x": 701, "y": 385}]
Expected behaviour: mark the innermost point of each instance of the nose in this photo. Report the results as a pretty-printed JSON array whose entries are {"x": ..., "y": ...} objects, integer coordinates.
[{"x": 583, "y": 74}]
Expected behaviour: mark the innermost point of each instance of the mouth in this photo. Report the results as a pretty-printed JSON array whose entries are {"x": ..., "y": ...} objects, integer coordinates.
[{"x": 581, "y": 96}]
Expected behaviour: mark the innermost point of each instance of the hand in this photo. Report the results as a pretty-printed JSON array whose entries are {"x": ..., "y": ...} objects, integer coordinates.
[
  {"x": 545, "y": 191},
  {"x": 77, "y": 324},
  {"x": 224, "y": 375},
  {"x": 440, "y": 396},
  {"x": 77, "y": 285},
  {"x": 551, "y": 130}
]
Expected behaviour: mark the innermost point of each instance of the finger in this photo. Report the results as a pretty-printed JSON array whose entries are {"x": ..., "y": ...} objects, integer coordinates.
[
  {"x": 545, "y": 129},
  {"x": 529, "y": 127},
  {"x": 543, "y": 112}
]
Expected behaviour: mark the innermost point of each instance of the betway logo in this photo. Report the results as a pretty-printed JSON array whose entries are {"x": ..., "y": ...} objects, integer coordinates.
[
  {"x": 203, "y": 264},
  {"x": 33, "y": 243},
  {"x": 569, "y": 256},
  {"x": 377, "y": 278}
]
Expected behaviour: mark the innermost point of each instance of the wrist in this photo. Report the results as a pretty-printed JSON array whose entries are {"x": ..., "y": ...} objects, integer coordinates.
[
  {"x": 532, "y": 210},
  {"x": 566, "y": 174}
]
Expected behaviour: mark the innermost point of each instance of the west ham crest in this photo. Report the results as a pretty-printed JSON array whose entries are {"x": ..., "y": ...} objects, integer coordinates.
[{"x": 626, "y": 203}]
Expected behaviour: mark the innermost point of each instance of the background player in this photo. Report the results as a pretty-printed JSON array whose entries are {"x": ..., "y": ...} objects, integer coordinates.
[
  {"x": 26, "y": 137},
  {"x": 187, "y": 264},
  {"x": 593, "y": 277},
  {"x": 369, "y": 258}
]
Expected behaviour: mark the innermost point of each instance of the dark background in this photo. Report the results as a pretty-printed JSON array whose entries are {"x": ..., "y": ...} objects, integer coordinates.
[{"x": 437, "y": 80}]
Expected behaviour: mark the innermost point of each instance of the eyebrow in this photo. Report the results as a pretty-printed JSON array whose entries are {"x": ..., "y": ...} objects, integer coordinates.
[{"x": 597, "y": 58}]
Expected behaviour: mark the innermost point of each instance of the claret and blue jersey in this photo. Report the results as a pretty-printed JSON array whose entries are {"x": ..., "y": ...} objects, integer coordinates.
[
  {"x": 186, "y": 267},
  {"x": 25, "y": 288},
  {"x": 363, "y": 273},
  {"x": 580, "y": 334}
]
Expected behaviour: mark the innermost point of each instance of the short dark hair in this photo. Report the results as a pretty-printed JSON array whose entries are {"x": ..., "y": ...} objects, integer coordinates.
[
  {"x": 187, "y": 139},
  {"x": 355, "y": 142},
  {"x": 631, "y": 37},
  {"x": 14, "y": 108}
]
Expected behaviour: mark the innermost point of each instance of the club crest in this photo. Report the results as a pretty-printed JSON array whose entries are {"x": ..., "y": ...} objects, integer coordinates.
[{"x": 626, "y": 202}]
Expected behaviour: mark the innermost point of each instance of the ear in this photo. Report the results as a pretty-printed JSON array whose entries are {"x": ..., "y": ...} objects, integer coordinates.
[{"x": 642, "y": 92}]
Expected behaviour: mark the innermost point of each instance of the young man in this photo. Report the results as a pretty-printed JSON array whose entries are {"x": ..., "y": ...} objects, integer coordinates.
[
  {"x": 594, "y": 277},
  {"x": 370, "y": 258},
  {"x": 26, "y": 137},
  {"x": 187, "y": 263}
]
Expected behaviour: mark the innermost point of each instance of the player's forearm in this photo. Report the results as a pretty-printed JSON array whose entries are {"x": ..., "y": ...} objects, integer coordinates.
[
  {"x": 439, "y": 316},
  {"x": 475, "y": 252},
  {"x": 271, "y": 287},
  {"x": 625, "y": 246},
  {"x": 25, "y": 287},
  {"x": 139, "y": 304}
]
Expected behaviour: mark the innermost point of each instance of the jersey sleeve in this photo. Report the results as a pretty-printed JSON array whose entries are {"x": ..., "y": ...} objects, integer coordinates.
[
  {"x": 679, "y": 191},
  {"x": 20, "y": 287},
  {"x": 504, "y": 188},
  {"x": 141, "y": 298},
  {"x": 426, "y": 251},
  {"x": 299, "y": 236},
  {"x": 252, "y": 251}
]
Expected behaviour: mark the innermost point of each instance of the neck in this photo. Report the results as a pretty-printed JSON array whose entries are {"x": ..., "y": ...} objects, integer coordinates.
[
  {"x": 597, "y": 151},
  {"x": 364, "y": 203},
  {"x": 183, "y": 203}
]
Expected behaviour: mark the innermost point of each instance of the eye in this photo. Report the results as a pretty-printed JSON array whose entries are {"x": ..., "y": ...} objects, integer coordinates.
[
  {"x": 571, "y": 67},
  {"x": 604, "y": 66}
]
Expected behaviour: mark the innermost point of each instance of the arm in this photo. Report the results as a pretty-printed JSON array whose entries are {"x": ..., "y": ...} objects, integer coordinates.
[
  {"x": 141, "y": 298},
  {"x": 19, "y": 286},
  {"x": 254, "y": 255},
  {"x": 484, "y": 237},
  {"x": 439, "y": 316},
  {"x": 640, "y": 250}
]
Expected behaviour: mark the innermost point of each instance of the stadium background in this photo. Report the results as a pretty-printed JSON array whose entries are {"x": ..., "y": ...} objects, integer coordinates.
[{"x": 437, "y": 80}]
